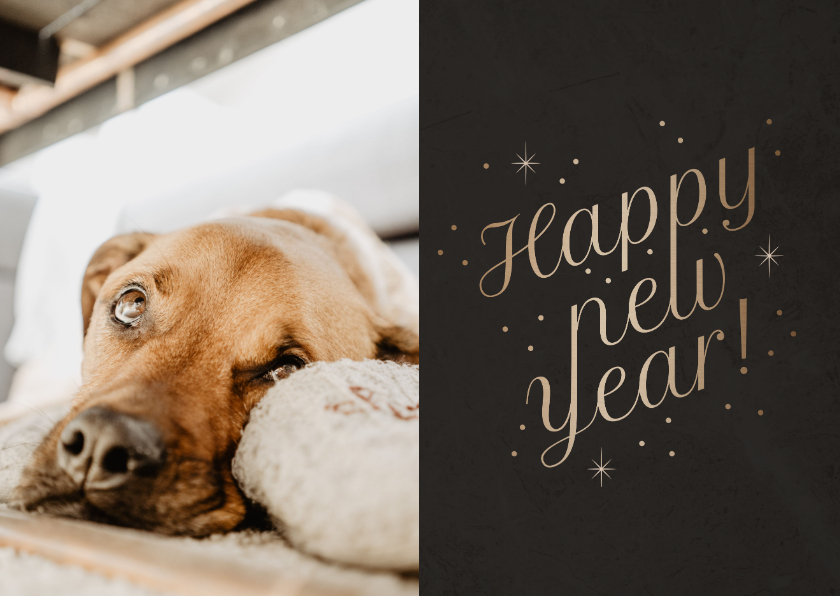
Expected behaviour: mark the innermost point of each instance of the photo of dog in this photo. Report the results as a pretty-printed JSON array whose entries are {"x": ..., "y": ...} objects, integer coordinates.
[
  {"x": 209, "y": 297},
  {"x": 223, "y": 310}
]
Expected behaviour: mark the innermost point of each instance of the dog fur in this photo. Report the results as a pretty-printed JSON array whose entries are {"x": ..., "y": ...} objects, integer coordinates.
[{"x": 224, "y": 299}]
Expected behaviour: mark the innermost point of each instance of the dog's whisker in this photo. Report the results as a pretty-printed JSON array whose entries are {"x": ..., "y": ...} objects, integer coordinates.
[
  {"x": 19, "y": 445},
  {"x": 38, "y": 410}
]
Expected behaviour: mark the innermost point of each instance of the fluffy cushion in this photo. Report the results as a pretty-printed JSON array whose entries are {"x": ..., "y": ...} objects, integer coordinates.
[{"x": 333, "y": 453}]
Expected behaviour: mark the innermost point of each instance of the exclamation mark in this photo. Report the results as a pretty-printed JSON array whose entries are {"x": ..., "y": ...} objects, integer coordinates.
[{"x": 743, "y": 305}]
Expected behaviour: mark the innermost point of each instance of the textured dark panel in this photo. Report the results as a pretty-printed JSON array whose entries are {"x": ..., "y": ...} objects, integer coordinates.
[{"x": 749, "y": 504}]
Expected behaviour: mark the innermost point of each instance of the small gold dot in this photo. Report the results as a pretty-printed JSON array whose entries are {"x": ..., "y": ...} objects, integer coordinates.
[
  {"x": 641, "y": 443},
  {"x": 521, "y": 427},
  {"x": 679, "y": 140},
  {"x": 770, "y": 353},
  {"x": 440, "y": 252},
  {"x": 464, "y": 262},
  {"x": 725, "y": 222},
  {"x": 769, "y": 121},
  {"x": 650, "y": 251},
  {"x": 513, "y": 453},
  {"x": 727, "y": 406},
  {"x": 487, "y": 165},
  {"x": 530, "y": 348},
  {"x": 588, "y": 271},
  {"x": 540, "y": 317},
  {"x": 671, "y": 453},
  {"x": 609, "y": 280},
  {"x": 720, "y": 335},
  {"x": 778, "y": 152},
  {"x": 705, "y": 231},
  {"x": 562, "y": 181},
  {"x": 575, "y": 161},
  {"x": 793, "y": 333},
  {"x": 661, "y": 123},
  {"x": 778, "y": 312},
  {"x": 454, "y": 228},
  {"x": 668, "y": 420},
  {"x": 743, "y": 370},
  {"x": 504, "y": 329},
  {"x": 761, "y": 412}
]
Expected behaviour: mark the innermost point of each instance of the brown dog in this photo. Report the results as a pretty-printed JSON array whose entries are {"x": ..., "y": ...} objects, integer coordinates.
[{"x": 184, "y": 333}]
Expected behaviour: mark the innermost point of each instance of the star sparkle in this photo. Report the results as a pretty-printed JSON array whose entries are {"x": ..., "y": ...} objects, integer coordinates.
[
  {"x": 602, "y": 468},
  {"x": 769, "y": 256},
  {"x": 526, "y": 163}
]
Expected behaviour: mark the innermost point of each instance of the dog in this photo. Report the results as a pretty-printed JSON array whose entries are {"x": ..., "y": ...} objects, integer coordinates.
[{"x": 184, "y": 334}]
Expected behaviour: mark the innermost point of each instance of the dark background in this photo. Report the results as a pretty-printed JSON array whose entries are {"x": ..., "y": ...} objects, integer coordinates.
[{"x": 749, "y": 504}]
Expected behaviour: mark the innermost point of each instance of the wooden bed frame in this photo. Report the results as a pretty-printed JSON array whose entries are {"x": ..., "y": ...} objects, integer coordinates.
[{"x": 145, "y": 559}]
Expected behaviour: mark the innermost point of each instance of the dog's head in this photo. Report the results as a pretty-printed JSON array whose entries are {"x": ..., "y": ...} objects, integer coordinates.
[{"x": 184, "y": 333}]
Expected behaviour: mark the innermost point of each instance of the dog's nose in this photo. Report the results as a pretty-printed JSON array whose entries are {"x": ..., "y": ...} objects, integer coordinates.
[{"x": 101, "y": 449}]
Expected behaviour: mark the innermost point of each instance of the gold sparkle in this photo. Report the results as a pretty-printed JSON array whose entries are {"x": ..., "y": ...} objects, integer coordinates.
[
  {"x": 526, "y": 163},
  {"x": 769, "y": 256},
  {"x": 602, "y": 468}
]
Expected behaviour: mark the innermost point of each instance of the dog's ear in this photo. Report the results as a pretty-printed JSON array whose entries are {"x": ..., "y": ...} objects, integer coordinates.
[
  {"x": 115, "y": 253},
  {"x": 398, "y": 344}
]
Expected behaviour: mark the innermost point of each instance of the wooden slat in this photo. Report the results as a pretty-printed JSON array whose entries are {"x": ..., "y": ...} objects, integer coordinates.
[
  {"x": 145, "y": 559},
  {"x": 257, "y": 26},
  {"x": 158, "y": 33}
]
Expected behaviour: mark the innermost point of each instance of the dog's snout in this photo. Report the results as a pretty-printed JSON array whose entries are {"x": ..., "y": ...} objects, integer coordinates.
[{"x": 101, "y": 449}]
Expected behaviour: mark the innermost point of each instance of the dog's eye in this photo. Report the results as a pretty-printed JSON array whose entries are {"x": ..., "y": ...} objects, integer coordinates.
[
  {"x": 130, "y": 307},
  {"x": 283, "y": 367}
]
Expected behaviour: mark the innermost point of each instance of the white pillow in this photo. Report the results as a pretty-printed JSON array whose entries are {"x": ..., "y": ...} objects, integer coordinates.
[{"x": 332, "y": 452}]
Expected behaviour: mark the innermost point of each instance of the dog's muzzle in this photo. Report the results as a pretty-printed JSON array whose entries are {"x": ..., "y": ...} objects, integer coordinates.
[{"x": 101, "y": 450}]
